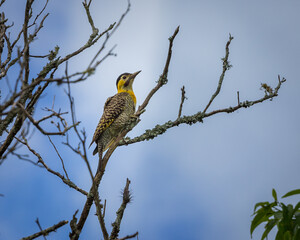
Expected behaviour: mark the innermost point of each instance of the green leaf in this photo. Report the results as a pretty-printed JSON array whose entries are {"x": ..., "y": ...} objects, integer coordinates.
[
  {"x": 260, "y": 204},
  {"x": 278, "y": 215},
  {"x": 296, "y": 208},
  {"x": 296, "y": 232},
  {"x": 269, "y": 226},
  {"x": 294, "y": 192},
  {"x": 279, "y": 235},
  {"x": 297, "y": 216},
  {"x": 261, "y": 216},
  {"x": 286, "y": 216},
  {"x": 287, "y": 235},
  {"x": 274, "y": 194},
  {"x": 280, "y": 231},
  {"x": 290, "y": 211}
]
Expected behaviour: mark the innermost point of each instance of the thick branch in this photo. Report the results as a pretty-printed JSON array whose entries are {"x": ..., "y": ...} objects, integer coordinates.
[
  {"x": 20, "y": 115},
  {"x": 99, "y": 174},
  {"x": 26, "y": 40}
]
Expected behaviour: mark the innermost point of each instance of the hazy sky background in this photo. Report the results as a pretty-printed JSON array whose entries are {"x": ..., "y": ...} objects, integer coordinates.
[{"x": 197, "y": 182}]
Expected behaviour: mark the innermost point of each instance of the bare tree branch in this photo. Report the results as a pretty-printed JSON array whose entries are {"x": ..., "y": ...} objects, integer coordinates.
[
  {"x": 129, "y": 236},
  {"x": 183, "y": 97},
  {"x": 92, "y": 40},
  {"x": 24, "y": 93},
  {"x": 20, "y": 116},
  {"x": 46, "y": 231},
  {"x": 226, "y": 66},
  {"x": 17, "y": 145},
  {"x": 40, "y": 227},
  {"x": 40, "y": 160},
  {"x": 97, "y": 179},
  {"x": 163, "y": 79},
  {"x": 93, "y": 65},
  {"x": 28, "y": 15},
  {"x": 82, "y": 138},
  {"x": 2, "y": 1},
  {"x": 116, "y": 224},
  {"x": 36, "y": 123},
  {"x": 195, "y": 118},
  {"x": 40, "y": 13},
  {"x": 62, "y": 161},
  {"x": 103, "y": 162},
  {"x": 100, "y": 215}
]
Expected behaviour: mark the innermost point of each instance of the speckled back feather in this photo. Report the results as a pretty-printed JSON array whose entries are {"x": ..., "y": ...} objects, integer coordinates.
[{"x": 112, "y": 109}]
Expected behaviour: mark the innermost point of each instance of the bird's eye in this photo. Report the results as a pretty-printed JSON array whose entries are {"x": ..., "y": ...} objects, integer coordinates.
[{"x": 124, "y": 77}]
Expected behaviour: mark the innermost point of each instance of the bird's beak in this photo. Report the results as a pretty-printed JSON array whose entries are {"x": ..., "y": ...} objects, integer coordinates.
[{"x": 132, "y": 76}]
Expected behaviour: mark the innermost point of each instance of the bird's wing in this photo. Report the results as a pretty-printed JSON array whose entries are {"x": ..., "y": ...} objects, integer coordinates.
[
  {"x": 113, "y": 107},
  {"x": 107, "y": 101}
]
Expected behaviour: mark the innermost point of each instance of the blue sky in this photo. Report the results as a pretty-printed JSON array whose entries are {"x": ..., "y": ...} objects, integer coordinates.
[{"x": 194, "y": 182}]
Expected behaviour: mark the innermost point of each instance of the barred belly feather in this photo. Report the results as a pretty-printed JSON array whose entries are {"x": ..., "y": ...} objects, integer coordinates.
[{"x": 117, "y": 112}]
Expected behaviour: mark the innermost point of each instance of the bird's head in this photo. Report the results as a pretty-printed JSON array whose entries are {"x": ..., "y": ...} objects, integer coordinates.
[
  {"x": 125, "y": 80},
  {"x": 124, "y": 84}
]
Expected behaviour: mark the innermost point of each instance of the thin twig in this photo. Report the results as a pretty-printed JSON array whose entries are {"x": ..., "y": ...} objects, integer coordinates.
[
  {"x": 104, "y": 208},
  {"x": 226, "y": 66},
  {"x": 100, "y": 215},
  {"x": 83, "y": 75},
  {"x": 62, "y": 161},
  {"x": 36, "y": 123},
  {"x": 82, "y": 138},
  {"x": 40, "y": 227},
  {"x": 87, "y": 10},
  {"x": 46, "y": 231},
  {"x": 92, "y": 40},
  {"x": 53, "y": 114},
  {"x": 40, "y": 160},
  {"x": 163, "y": 78},
  {"x": 183, "y": 97},
  {"x": 109, "y": 34},
  {"x": 129, "y": 236},
  {"x": 40, "y": 13},
  {"x": 24, "y": 158}
]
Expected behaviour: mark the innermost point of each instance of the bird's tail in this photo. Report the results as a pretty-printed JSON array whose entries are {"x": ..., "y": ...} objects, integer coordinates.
[
  {"x": 99, "y": 149},
  {"x": 95, "y": 150}
]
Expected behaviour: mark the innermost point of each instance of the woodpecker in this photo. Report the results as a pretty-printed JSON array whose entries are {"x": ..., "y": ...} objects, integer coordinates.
[{"x": 118, "y": 109}]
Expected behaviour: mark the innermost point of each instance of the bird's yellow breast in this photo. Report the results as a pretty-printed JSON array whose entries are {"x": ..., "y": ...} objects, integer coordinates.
[{"x": 131, "y": 93}]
